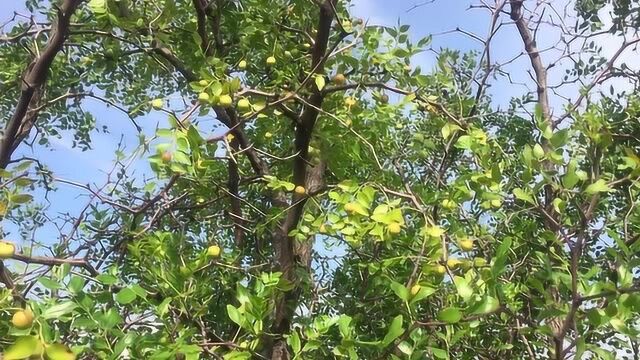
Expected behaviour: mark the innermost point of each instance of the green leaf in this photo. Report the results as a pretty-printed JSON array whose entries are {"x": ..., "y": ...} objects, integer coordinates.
[
  {"x": 320, "y": 81},
  {"x": 523, "y": 195},
  {"x": 59, "y": 310},
  {"x": 597, "y": 187},
  {"x": 294, "y": 342},
  {"x": 107, "y": 279},
  {"x": 59, "y": 352},
  {"x": 394, "y": 331},
  {"x": 20, "y": 198},
  {"x": 464, "y": 142},
  {"x": 439, "y": 353},
  {"x": 22, "y": 348},
  {"x": 125, "y": 296},
  {"x": 425, "y": 291},
  {"x": 625, "y": 278},
  {"x": 489, "y": 304},
  {"x": 235, "y": 315},
  {"x": 400, "y": 290},
  {"x": 450, "y": 315},
  {"x": 462, "y": 286}
]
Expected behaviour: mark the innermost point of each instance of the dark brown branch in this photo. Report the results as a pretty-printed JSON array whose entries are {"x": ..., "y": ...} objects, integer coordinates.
[
  {"x": 35, "y": 77},
  {"x": 534, "y": 56}
]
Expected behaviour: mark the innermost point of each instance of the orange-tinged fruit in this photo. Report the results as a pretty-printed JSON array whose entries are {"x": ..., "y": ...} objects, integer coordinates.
[
  {"x": 22, "y": 319},
  {"x": 300, "y": 190},
  {"x": 339, "y": 79},
  {"x": 7, "y": 249},
  {"x": 214, "y": 251},
  {"x": 167, "y": 156}
]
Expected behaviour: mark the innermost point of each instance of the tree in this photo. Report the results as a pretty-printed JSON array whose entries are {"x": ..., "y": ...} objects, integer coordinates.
[{"x": 346, "y": 203}]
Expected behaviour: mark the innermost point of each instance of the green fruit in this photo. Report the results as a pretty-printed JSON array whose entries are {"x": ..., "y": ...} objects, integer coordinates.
[
  {"x": 244, "y": 104},
  {"x": 225, "y": 100},
  {"x": 242, "y": 65},
  {"x": 203, "y": 82},
  {"x": 384, "y": 98},
  {"x": 479, "y": 262}
]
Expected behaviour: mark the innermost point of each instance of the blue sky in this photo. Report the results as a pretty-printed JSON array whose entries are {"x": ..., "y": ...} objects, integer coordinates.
[{"x": 436, "y": 18}]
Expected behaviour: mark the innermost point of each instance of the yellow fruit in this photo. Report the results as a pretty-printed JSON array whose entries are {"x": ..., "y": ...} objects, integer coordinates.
[
  {"x": 271, "y": 60},
  {"x": 268, "y": 135},
  {"x": 300, "y": 190},
  {"x": 496, "y": 203},
  {"x": 225, "y": 100},
  {"x": 350, "y": 208},
  {"x": 339, "y": 79},
  {"x": 323, "y": 228},
  {"x": 214, "y": 251},
  {"x": 203, "y": 98},
  {"x": 7, "y": 249},
  {"x": 466, "y": 244},
  {"x": 306, "y": 45},
  {"x": 440, "y": 269},
  {"x": 22, "y": 319},
  {"x": 349, "y": 101},
  {"x": 453, "y": 263},
  {"x": 242, "y": 65},
  {"x": 244, "y": 104},
  {"x": 415, "y": 289},
  {"x": 203, "y": 82},
  {"x": 448, "y": 204},
  {"x": 167, "y": 156},
  {"x": 394, "y": 228},
  {"x": 157, "y": 104}
]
